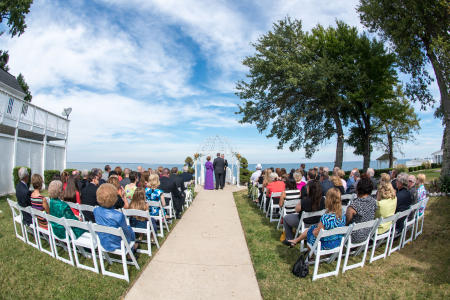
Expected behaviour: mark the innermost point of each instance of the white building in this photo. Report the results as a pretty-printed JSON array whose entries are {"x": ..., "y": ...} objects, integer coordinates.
[
  {"x": 437, "y": 156},
  {"x": 29, "y": 136}
]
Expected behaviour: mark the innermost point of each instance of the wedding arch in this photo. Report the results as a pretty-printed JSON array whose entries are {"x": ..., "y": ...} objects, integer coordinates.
[{"x": 210, "y": 147}]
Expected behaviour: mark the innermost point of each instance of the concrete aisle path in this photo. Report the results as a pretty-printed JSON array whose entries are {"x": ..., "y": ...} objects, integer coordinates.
[{"x": 204, "y": 257}]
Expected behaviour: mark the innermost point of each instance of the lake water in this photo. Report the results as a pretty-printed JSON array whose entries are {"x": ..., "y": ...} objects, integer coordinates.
[{"x": 346, "y": 166}]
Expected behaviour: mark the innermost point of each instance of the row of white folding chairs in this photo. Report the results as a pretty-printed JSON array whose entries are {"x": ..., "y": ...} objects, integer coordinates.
[
  {"x": 411, "y": 222},
  {"x": 89, "y": 239}
]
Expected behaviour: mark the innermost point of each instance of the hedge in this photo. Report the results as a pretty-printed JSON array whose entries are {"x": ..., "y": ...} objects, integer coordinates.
[
  {"x": 48, "y": 176},
  {"x": 16, "y": 174},
  {"x": 69, "y": 171}
]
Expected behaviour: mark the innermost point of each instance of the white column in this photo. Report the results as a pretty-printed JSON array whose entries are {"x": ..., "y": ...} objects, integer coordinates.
[
  {"x": 195, "y": 172},
  {"x": 16, "y": 134},
  {"x": 65, "y": 144},
  {"x": 202, "y": 173},
  {"x": 238, "y": 173}
]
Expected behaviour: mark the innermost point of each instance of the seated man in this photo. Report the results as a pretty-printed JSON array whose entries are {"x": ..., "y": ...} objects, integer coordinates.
[
  {"x": 89, "y": 196},
  {"x": 106, "y": 215},
  {"x": 404, "y": 198},
  {"x": 23, "y": 193},
  {"x": 168, "y": 185},
  {"x": 371, "y": 174},
  {"x": 255, "y": 176},
  {"x": 187, "y": 177}
]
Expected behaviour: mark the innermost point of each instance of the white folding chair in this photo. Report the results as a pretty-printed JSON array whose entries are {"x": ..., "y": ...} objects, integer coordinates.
[
  {"x": 148, "y": 232},
  {"x": 42, "y": 232},
  {"x": 421, "y": 218},
  {"x": 288, "y": 208},
  {"x": 273, "y": 206},
  {"x": 84, "y": 207},
  {"x": 169, "y": 207},
  {"x": 125, "y": 248},
  {"x": 64, "y": 242},
  {"x": 317, "y": 250},
  {"x": 383, "y": 237},
  {"x": 73, "y": 205},
  {"x": 364, "y": 245},
  {"x": 86, "y": 240},
  {"x": 402, "y": 214},
  {"x": 410, "y": 222},
  {"x": 302, "y": 226},
  {"x": 264, "y": 200},
  {"x": 160, "y": 219},
  {"x": 17, "y": 219},
  {"x": 188, "y": 198},
  {"x": 29, "y": 229},
  {"x": 347, "y": 198}
]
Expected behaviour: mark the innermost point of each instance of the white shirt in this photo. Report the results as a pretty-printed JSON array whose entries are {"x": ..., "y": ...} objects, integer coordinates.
[{"x": 255, "y": 176}]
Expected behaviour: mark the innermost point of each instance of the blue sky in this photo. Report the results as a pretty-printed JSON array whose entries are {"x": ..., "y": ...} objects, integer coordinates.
[{"x": 148, "y": 81}]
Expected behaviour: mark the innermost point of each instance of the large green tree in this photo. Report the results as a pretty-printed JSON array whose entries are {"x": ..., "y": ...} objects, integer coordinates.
[
  {"x": 25, "y": 88},
  {"x": 13, "y": 12},
  {"x": 418, "y": 33}
]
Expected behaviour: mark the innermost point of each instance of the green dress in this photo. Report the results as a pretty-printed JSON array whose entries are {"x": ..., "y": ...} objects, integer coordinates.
[{"x": 60, "y": 209}]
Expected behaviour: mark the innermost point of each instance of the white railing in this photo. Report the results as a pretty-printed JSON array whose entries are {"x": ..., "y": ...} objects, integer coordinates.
[{"x": 13, "y": 109}]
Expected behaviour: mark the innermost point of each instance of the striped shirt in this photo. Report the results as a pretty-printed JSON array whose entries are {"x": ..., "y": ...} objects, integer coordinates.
[
  {"x": 291, "y": 200},
  {"x": 37, "y": 203}
]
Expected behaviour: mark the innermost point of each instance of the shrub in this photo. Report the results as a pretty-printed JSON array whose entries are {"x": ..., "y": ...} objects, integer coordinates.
[
  {"x": 16, "y": 174},
  {"x": 379, "y": 171},
  {"x": 69, "y": 171},
  {"x": 401, "y": 168},
  {"x": 191, "y": 170},
  {"x": 244, "y": 174},
  {"x": 48, "y": 176},
  {"x": 426, "y": 165},
  {"x": 435, "y": 165}
]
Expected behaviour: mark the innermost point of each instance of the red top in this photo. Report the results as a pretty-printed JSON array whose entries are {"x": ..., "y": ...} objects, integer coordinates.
[
  {"x": 78, "y": 199},
  {"x": 275, "y": 187}
]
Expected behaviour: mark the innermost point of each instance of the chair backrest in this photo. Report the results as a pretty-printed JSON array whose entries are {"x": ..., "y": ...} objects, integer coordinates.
[
  {"x": 374, "y": 192},
  {"x": 309, "y": 214},
  {"x": 110, "y": 230},
  {"x": 137, "y": 213},
  {"x": 275, "y": 195},
  {"x": 59, "y": 221},
  {"x": 186, "y": 184},
  {"x": 72, "y": 204},
  {"x": 339, "y": 230},
  {"x": 78, "y": 224},
  {"x": 14, "y": 207},
  {"x": 167, "y": 195},
  {"x": 39, "y": 213},
  {"x": 388, "y": 219},
  {"x": 85, "y": 207},
  {"x": 368, "y": 224},
  {"x": 347, "y": 197},
  {"x": 291, "y": 204},
  {"x": 403, "y": 214}
]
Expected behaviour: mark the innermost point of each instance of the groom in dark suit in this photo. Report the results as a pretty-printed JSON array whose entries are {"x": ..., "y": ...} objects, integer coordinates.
[{"x": 219, "y": 171}]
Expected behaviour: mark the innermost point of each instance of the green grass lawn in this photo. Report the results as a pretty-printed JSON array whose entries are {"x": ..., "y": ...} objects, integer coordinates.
[
  {"x": 431, "y": 174},
  {"x": 27, "y": 273},
  {"x": 420, "y": 270}
]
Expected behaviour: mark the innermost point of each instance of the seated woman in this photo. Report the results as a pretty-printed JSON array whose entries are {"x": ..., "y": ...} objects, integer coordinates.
[
  {"x": 337, "y": 183},
  {"x": 276, "y": 186},
  {"x": 60, "y": 209},
  {"x": 71, "y": 194},
  {"x": 298, "y": 176},
  {"x": 291, "y": 192},
  {"x": 131, "y": 187},
  {"x": 152, "y": 193},
  {"x": 38, "y": 201},
  {"x": 341, "y": 175},
  {"x": 312, "y": 201},
  {"x": 386, "y": 202},
  {"x": 421, "y": 192},
  {"x": 122, "y": 201},
  {"x": 139, "y": 202},
  {"x": 333, "y": 218},
  {"x": 106, "y": 215},
  {"x": 362, "y": 209}
]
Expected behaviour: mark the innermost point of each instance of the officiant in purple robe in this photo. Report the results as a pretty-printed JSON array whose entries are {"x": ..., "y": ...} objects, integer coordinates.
[{"x": 209, "y": 175}]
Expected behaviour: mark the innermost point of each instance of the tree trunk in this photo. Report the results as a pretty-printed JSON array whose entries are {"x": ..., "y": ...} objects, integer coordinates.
[
  {"x": 366, "y": 154},
  {"x": 445, "y": 104},
  {"x": 390, "y": 147},
  {"x": 340, "y": 141}
]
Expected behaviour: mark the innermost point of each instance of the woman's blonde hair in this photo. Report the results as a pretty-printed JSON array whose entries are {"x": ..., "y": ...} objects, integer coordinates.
[
  {"x": 336, "y": 180},
  {"x": 138, "y": 202},
  {"x": 114, "y": 181},
  {"x": 153, "y": 181},
  {"x": 107, "y": 195},
  {"x": 341, "y": 174},
  {"x": 333, "y": 202},
  {"x": 421, "y": 178},
  {"x": 385, "y": 188},
  {"x": 267, "y": 177},
  {"x": 297, "y": 177},
  {"x": 55, "y": 189}
]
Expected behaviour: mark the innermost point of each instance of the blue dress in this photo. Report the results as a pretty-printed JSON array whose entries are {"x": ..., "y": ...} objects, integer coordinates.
[
  {"x": 153, "y": 195},
  {"x": 329, "y": 221}
]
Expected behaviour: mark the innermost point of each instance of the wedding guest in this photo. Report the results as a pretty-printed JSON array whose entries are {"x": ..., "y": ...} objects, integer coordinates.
[
  {"x": 139, "y": 202},
  {"x": 255, "y": 175},
  {"x": 325, "y": 181},
  {"x": 404, "y": 198},
  {"x": 386, "y": 202},
  {"x": 187, "y": 177},
  {"x": 312, "y": 175},
  {"x": 126, "y": 177},
  {"x": 276, "y": 186},
  {"x": 351, "y": 189},
  {"x": 337, "y": 183},
  {"x": 89, "y": 196},
  {"x": 38, "y": 201},
  {"x": 160, "y": 170},
  {"x": 154, "y": 194},
  {"x": 290, "y": 193},
  {"x": 60, "y": 209},
  {"x": 298, "y": 179},
  {"x": 394, "y": 174},
  {"x": 64, "y": 178},
  {"x": 168, "y": 185},
  {"x": 371, "y": 174},
  {"x": 362, "y": 209},
  {"x": 144, "y": 179},
  {"x": 122, "y": 201},
  {"x": 351, "y": 180},
  {"x": 209, "y": 174},
  {"x": 131, "y": 187},
  {"x": 179, "y": 182},
  {"x": 333, "y": 218},
  {"x": 84, "y": 180},
  {"x": 72, "y": 194},
  {"x": 118, "y": 171},
  {"x": 421, "y": 192},
  {"x": 341, "y": 175},
  {"x": 412, "y": 188},
  {"x": 23, "y": 193},
  {"x": 267, "y": 178},
  {"x": 106, "y": 215},
  {"x": 105, "y": 175}
]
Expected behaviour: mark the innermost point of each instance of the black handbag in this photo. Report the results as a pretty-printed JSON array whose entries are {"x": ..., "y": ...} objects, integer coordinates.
[{"x": 301, "y": 266}]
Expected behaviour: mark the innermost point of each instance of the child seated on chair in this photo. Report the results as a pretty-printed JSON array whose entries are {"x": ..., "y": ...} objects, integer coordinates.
[
  {"x": 106, "y": 215},
  {"x": 332, "y": 218},
  {"x": 152, "y": 193},
  {"x": 138, "y": 202}
]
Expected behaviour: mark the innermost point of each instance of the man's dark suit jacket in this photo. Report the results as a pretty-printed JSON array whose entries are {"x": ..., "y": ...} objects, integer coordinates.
[
  {"x": 178, "y": 181},
  {"x": 89, "y": 197},
  {"x": 186, "y": 176},
  {"x": 168, "y": 185},
  {"x": 219, "y": 165},
  {"x": 404, "y": 201},
  {"x": 23, "y": 199},
  {"x": 326, "y": 185}
]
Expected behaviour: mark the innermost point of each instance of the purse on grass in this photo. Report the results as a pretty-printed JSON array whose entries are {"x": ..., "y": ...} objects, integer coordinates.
[{"x": 301, "y": 266}]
